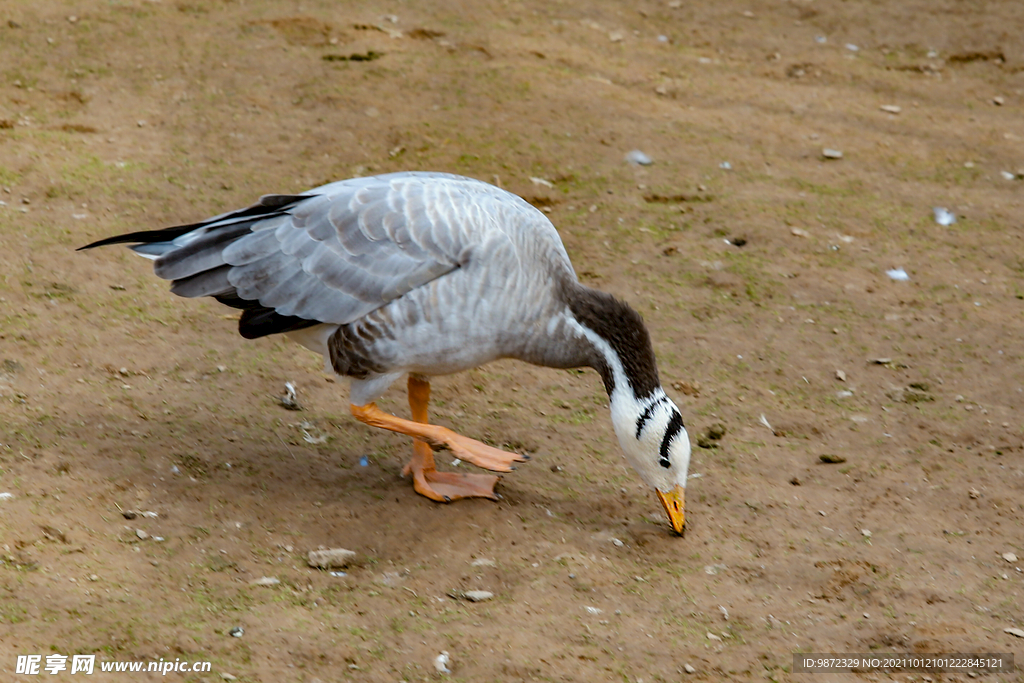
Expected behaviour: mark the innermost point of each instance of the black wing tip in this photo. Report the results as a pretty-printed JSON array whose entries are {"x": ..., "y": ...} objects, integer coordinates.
[
  {"x": 141, "y": 237},
  {"x": 267, "y": 206},
  {"x": 258, "y": 321},
  {"x": 116, "y": 239}
]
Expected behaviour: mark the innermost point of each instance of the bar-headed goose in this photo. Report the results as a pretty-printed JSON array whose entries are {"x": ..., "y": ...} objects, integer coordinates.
[{"x": 426, "y": 274}]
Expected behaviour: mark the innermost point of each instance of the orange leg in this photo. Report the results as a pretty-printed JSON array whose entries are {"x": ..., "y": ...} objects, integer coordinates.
[{"x": 439, "y": 486}]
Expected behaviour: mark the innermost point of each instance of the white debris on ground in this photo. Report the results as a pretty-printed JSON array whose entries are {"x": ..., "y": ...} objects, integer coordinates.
[
  {"x": 943, "y": 216},
  {"x": 639, "y": 158}
]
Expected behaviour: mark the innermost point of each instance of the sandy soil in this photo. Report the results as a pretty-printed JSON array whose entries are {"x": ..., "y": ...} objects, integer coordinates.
[{"x": 759, "y": 264}]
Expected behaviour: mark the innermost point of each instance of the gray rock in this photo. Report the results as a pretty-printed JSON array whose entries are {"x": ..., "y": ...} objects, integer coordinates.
[{"x": 332, "y": 558}]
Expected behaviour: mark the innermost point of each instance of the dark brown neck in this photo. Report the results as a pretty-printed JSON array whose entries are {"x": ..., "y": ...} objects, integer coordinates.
[{"x": 624, "y": 331}]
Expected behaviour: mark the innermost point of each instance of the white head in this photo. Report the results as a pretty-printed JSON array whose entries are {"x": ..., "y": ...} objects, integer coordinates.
[{"x": 656, "y": 444}]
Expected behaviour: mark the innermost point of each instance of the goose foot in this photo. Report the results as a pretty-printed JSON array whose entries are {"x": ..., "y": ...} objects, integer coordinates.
[
  {"x": 445, "y": 487},
  {"x": 437, "y": 437},
  {"x": 480, "y": 454}
]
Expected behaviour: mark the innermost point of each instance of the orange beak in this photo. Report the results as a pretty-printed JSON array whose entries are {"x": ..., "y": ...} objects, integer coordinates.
[{"x": 675, "y": 506}]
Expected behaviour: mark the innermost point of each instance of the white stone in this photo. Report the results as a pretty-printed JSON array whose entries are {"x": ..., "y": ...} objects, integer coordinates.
[{"x": 478, "y": 596}]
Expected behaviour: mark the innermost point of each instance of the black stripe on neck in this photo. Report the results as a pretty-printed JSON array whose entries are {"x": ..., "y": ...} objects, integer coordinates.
[
  {"x": 624, "y": 330},
  {"x": 642, "y": 420},
  {"x": 675, "y": 424}
]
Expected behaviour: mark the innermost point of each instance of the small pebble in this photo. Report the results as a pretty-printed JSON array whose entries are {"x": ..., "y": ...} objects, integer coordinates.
[
  {"x": 142, "y": 535},
  {"x": 867, "y": 616},
  {"x": 441, "y": 663},
  {"x": 865, "y": 533},
  {"x": 831, "y": 153},
  {"x": 689, "y": 669},
  {"x": 898, "y": 274},
  {"x": 998, "y": 100},
  {"x": 1007, "y": 175},
  {"x": 237, "y": 632},
  {"x": 716, "y": 431},
  {"x": 1014, "y": 632},
  {"x": 1009, "y": 557},
  {"x": 712, "y": 636},
  {"x": 228, "y": 677},
  {"x": 890, "y": 109},
  {"x": 478, "y": 596},
  {"x": 840, "y": 375},
  {"x": 831, "y": 459},
  {"x": 974, "y": 493},
  {"x": 333, "y": 558},
  {"x": 290, "y": 399},
  {"x": 266, "y": 581},
  {"x": 617, "y": 543}
]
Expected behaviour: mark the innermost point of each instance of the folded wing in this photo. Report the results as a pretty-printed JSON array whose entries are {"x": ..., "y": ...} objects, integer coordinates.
[{"x": 334, "y": 254}]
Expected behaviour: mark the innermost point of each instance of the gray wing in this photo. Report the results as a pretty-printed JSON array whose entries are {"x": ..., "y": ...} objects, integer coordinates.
[{"x": 348, "y": 249}]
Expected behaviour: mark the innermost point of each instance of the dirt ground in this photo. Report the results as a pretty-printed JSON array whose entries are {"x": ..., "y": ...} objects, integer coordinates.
[{"x": 759, "y": 264}]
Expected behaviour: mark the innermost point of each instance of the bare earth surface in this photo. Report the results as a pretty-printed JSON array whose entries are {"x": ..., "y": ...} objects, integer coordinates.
[{"x": 759, "y": 265}]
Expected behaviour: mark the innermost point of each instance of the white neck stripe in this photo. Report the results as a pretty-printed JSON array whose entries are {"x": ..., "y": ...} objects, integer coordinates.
[{"x": 605, "y": 349}]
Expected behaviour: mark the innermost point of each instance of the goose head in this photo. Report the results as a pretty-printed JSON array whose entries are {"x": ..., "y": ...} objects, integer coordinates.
[
  {"x": 647, "y": 423},
  {"x": 655, "y": 443}
]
